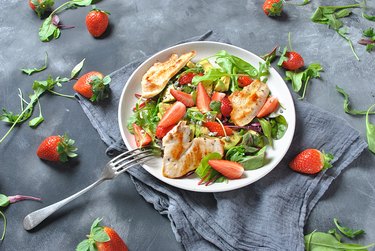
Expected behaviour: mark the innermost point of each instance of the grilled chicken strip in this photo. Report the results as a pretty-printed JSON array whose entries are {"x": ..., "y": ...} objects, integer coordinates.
[
  {"x": 247, "y": 102},
  {"x": 182, "y": 155},
  {"x": 157, "y": 77}
]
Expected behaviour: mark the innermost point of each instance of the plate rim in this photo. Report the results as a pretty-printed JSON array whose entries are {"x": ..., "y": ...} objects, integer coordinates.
[{"x": 207, "y": 189}]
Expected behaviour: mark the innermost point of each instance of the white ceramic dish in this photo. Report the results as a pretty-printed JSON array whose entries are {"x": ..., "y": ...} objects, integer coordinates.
[{"x": 205, "y": 49}]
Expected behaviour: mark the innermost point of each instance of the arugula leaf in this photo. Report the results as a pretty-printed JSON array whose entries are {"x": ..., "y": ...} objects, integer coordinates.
[
  {"x": 301, "y": 79},
  {"x": 206, "y": 172},
  {"x": 369, "y": 33},
  {"x": 146, "y": 117},
  {"x": 348, "y": 232},
  {"x": 325, "y": 241},
  {"x": 347, "y": 108},
  {"x": 212, "y": 75},
  {"x": 329, "y": 15},
  {"x": 283, "y": 57},
  {"x": 224, "y": 58},
  {"x": 370, "y": 131},
  {"x": 368, "y": 17},
  {"x": 370, "y": 47},
  {"x": 335, "y": 234},
  {"x": 76, "y": 70},
  {"x": 33, "y": 70}
]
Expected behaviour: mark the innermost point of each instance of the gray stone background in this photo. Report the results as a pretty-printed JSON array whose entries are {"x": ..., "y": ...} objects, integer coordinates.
[{"x": 141, "y": 28}]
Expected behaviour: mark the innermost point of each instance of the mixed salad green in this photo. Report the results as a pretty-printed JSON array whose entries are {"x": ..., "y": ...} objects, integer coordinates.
[{"x": 226, "y": 75}]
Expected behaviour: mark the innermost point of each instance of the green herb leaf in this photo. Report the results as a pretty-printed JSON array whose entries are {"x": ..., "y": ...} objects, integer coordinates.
[
  {"x": 279, "y": 126},
  {"x": 299, "y": 4},
  {"x": 370, "y": 47},
  {"x": 348, "y": 232},
  {"x": 36, "y": 121},
  {"x": 47, "y": 30},
  {"x": 283, "y": 57},
  {"x": 66, "y": 148},
  {"x": 4, "y": 200},
  {"x": 212, "y": 75},
  {"x": 370, "y": 131},
  {"x": 369, "y": 33},
  {"x": 204, "y": 170},
  {"x": 99, "y": 235},
  {"x": 83, "y": 245},
  {"x": 33, "y": 70},
  {"x": 335, "y": 234},
  {"x": 76, "y": 70},
  {"x": 255, "y": 161},
  {"x": 215, "y": 106},
  {"x": 347, "y": 107},
  {"x": 267, "y": 129},
  {"x": 81, "y": 3},
  {"x": 368, "y": 17}
]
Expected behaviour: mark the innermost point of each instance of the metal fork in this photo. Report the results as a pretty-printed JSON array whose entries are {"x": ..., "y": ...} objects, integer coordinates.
[{"x": 113, "y": 168}]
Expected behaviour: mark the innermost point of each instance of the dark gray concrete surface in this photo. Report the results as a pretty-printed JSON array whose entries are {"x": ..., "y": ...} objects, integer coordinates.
[{"x": 141, "y": 28}]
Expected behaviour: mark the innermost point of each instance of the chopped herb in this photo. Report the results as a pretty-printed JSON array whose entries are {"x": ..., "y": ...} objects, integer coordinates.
[
  {"x": 348, "y": 232},
  {"x": 33, "y": 70}
]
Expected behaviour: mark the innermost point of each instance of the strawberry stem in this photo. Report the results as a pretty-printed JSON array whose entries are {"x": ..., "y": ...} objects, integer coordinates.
[{"x": 60, "y": 94}]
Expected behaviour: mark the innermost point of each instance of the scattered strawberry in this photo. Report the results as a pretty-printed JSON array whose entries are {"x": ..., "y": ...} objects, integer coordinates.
[
  {"x": 244, "y": 81},
  {"x": 311, "y": 161},
  {"x": 230, "y": 169},
  {"x": 170, "y": 118},
  {"x": 97, "y": 22},
  {"x": 183, "y": 97},
  {"x": 203, "y": 100},
  {"x": 218, "y": 128},
  {"x": 294, "y": 61},
  {"x": 271, "y": 104},
  {"x": 226, "y": 107},
  {"x": 186, "y": 78},
  {"x": 57, "y": 148},
  {"x": 273, "y": 7},
  {"x": 92, "y": 85},
  {"x": 102, "y": 239},
  {"x": 142, "y": 138},
  {"x": 162, "y": 131},
  {"x": 41, "y": 6}
]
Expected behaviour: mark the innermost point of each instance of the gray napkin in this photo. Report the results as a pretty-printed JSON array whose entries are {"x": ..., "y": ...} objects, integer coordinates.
[{"x": 267, "y": 215}]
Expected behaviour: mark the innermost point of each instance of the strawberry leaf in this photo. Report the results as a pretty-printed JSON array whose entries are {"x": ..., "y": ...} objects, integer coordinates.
[
  {"x": 99, "y": 235},
  {"x": 95, "y": 224},
  {"x": 84, "y": 245},
  {"x": 100, "y": 88},
  {"x": 42, "y": 7},
  {"x": 66, "y": 148},
  {"x": 76, "y": 70}
]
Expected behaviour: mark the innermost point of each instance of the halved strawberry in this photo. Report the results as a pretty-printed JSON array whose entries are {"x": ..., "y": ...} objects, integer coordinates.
[
  {"x": 271, "y": 104},
  {"x": 173, "y": 115},
  {"x": 217, "y": 96},
  {"x": 244, "y": 81},
  {"x": 162, "y": 131},
  {"x": 186, "y": 78},
  {"x": 311, "y": 161},
  {"x": 183, "y": 97},
  {"x": 226, "y": 107},
  {"x": 230, "y": 169},
  {"x": 203, "y": 100},
  {"x": 216, "y": 127},
  {"x": 142, "y": 138}
]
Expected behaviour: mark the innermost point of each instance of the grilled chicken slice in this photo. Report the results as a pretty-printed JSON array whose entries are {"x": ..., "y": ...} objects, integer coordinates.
[
  {"x": 247, "y": 102},
  {"x": 157, "y": 77},
  {"x": 182, "y": 155}
]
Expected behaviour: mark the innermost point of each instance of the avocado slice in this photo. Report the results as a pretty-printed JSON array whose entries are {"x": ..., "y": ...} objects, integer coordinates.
[
  {"x": 206, "y": 65},
  {"x": 163, "y": 107},
  {"x": 167, "y": 96},
  {"x": 190, "y": 65},
  {"x": 222, "y": 84},
  {"x": 232, "y": 141}
]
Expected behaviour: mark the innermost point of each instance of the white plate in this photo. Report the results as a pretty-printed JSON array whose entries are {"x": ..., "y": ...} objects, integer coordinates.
[{"x": 205, "y": 49}]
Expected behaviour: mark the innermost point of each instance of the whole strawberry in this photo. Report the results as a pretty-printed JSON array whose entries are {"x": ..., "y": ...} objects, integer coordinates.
[
  {"x": 273, "y": 7},
  {"x": 102, "y": 239},
  {"x": 41, "y": 6},
  {"x": 93, "y": 86},
  {"x": 311, "y": 161},
  {"x": 97, "y": 22},
  {"x": 57, "y": 148}
]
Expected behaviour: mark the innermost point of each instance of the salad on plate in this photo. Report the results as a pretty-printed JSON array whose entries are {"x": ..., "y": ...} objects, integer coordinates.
[{"x": 214, "y": 117}]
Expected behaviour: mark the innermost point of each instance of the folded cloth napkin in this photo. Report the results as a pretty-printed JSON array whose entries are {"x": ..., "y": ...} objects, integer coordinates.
[{"x": 267, "y": 215}]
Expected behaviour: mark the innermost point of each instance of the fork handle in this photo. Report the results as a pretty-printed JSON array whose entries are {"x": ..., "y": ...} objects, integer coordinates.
[{"x": 35, "y": 218}]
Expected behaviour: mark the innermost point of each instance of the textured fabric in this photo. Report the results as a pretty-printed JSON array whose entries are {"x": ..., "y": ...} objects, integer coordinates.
[{"x": 267, "y": 215}]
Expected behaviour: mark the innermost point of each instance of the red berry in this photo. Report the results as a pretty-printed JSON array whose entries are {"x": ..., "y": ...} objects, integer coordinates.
[
  {"x": 92, "y": 85},
  {"x": 244, "y": 81},
  {"x": 294, "y": 61},
  {"x": 273, "y": 7},
  {"x": 183, "y": 97},
  {"x": 217, "y": 127},
  {"x": 186, "y": 78},
  {"x": 173, "y": 115},
  {"x": 56, "y": 148},
  {"x": 97, "y": 22},
  {"x": 230, "y": 169},
  {"x": 203, "y": 100},
  {"x": 142, "y": 138},
  {"x": 226, "y": 107},
  {"x": 311, "y": 161}
]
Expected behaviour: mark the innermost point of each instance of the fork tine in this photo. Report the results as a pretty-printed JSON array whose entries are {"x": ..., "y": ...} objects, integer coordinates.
[
  {"x": 135, "y": 160},
  {"x": 133, "y": 155},
  {"x": 125, "y": 153},
  {"x": 117, "y": 172}
]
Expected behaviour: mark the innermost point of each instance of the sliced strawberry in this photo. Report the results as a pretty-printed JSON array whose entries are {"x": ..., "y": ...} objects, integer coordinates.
[
  {"x": 173, "y": 115},
  {"x": 311, "y": 161},
  {"x": 216, "y": 127},
  {"x": 183, "y": 97},
  {"x": 162, "y": 131},
  {"x": 244, "y": 81},
  {"x": 230, "y": 169},
  {"x": 203, "y": 100},
  {"x": 217, "y": 96},
  {"x": 272, "y": 103},
  {"x": 186, "y": 78},
  {"x": 142, "y": 138},
  {"x": 226, "y": 107}
]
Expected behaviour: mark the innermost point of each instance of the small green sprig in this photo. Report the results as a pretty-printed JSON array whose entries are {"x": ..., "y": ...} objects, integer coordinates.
[{"x": 30, "y": 71}]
